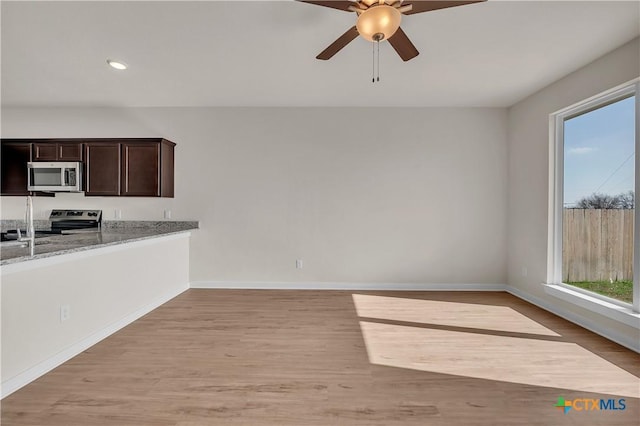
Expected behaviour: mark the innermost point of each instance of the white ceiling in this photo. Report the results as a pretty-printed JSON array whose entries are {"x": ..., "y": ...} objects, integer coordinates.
[{"x": 262, "y": 53}]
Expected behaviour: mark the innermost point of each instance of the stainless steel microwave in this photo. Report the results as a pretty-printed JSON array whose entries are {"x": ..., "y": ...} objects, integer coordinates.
[{"x": 54, "y": 176}]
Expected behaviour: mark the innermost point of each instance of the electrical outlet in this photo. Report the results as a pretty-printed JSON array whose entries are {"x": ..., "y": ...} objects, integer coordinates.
[
  {"x": 117, "y": 214},
  {"x": 65, "y": 312},
  {"x": 298, "y": 263},
  {"x": 167, "y": 214},
  {"x": 524, "y": 271}
]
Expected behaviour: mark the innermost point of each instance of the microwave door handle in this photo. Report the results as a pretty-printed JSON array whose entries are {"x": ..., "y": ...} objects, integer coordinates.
[{"x": 65, "y": 176}]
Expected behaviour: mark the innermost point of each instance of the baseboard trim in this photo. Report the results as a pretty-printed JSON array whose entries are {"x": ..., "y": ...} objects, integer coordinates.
[
  {"x": 321, "y": 285},
  {"x": 575, "y": 318},
  {"x": 13, "y": 384}
]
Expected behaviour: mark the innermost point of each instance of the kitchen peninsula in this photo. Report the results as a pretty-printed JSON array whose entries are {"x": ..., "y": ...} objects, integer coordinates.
[
  {"x": 112, "y": 233},
  {"x": 78, "y": 289}
]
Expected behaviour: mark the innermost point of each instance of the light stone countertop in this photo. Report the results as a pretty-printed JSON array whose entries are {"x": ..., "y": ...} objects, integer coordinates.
[{"x": 112, "y": 233}]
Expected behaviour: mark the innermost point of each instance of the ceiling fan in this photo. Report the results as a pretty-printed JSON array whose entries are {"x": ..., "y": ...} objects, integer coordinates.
[{"x": 380, "y": 20}]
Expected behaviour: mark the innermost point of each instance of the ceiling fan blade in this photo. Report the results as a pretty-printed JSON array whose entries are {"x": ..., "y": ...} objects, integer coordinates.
[
  {"x": 403, "y": 45},
  {"x": 420, "y": 6},
  {"x": 334, "y": 4},
  {"x": 341, "y": 42}
]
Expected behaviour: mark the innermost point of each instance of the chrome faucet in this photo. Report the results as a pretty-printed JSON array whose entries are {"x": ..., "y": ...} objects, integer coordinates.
[{"x": 30, "y": 234}]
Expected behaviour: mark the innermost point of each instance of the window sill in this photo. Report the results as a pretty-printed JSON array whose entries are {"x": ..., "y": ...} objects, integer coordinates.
[{"x": 620, "y": 313}]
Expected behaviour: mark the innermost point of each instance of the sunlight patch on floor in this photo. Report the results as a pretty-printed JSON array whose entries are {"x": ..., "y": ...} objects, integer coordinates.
[
  {"x": 508, "y": 359},
  {"x": 455, "y": 314}
]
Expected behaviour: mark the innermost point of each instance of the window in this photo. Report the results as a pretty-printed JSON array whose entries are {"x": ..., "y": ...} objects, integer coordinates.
[{"x": 594, "y": 235}]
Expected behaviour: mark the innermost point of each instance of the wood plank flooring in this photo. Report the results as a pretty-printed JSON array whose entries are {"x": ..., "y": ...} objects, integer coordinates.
[{"x": 248, "y": 357}]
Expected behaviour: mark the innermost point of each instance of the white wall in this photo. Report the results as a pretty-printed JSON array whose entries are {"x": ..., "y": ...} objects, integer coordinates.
[
  {"x": 529, "y": 168},
  {"x": 394, "y": 195},
  {"x": 105, "y": 289}
]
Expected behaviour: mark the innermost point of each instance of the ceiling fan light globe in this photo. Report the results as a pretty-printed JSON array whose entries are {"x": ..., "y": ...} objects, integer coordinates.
[{"x": 377, "y": 20}]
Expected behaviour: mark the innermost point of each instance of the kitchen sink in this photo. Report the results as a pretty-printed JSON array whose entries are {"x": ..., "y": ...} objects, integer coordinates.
[
  {"x": 10, "y": 239},
  {"x": 12, "y": 235},
  {"x": 16, "y": 243},
  {"x": 12, "y": 243}
]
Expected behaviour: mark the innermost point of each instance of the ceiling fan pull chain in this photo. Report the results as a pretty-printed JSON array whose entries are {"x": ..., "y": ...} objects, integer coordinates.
[
  {"x": 373, "y": 63},
  {"x": 378, "y": 60}
]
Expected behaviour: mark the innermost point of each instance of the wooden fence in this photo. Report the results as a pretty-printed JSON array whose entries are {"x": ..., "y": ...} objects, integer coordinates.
[{"x": 597, "y": 245}]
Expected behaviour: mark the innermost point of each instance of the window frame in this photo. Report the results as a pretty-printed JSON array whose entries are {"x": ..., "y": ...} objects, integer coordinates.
[{"x": 613, "y": 308}]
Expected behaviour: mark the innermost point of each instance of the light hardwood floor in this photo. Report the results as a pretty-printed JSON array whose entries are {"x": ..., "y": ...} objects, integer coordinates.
[{"x": 238, "y": 357}]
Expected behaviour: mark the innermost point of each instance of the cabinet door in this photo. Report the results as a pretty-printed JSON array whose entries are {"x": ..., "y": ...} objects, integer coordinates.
[
  {"x": 15, "y": 157},
  {"x": 166, "y": 169},
  {"x": 57, "y": 151},
  {"x": 141, "y": 169},
  {"x": 102, "y": 168},
  {"x": 69, "y": 151},
  {"x": 45, "y": 152}
]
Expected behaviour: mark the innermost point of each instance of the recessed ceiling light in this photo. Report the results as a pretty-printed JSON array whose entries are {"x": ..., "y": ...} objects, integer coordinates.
[{"x": 117, "y": 65}]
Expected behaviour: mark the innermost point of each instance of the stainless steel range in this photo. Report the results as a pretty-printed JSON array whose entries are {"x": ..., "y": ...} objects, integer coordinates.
[
  {"x": 62, "y": 222},
  {"x": 75, "y": 220}
]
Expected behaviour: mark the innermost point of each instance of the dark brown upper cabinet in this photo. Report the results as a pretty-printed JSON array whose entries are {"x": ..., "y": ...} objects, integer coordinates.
[
  {"x": 144, "y": 168},
  {"x": 15, "y": 156},
  {"x": 141, "y": 167},
  {"x": 57, "y": 151},
  {"x": 102, "y": 168},
  {"x": 147, "y": 168},
  {"x": 166, "y": 168}
]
